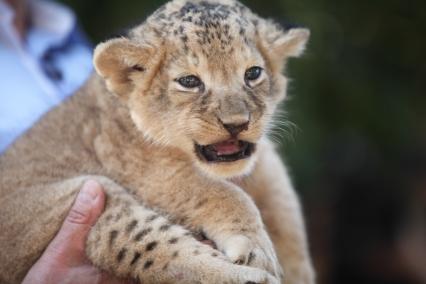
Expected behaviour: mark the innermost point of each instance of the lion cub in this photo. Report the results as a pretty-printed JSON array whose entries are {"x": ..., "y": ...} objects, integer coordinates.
[{"x": 173, "y": 126}]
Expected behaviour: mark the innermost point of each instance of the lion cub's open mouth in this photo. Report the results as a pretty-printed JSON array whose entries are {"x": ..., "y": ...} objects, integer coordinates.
[{"x": 226, "y": 151}]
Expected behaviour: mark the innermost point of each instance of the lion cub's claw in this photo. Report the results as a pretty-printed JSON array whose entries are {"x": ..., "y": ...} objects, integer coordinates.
[
  {"x": 237, "y": 249},
  {"x": 243, "y": 251}
]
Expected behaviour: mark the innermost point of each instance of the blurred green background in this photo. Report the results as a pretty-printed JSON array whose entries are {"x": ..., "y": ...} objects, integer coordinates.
[{"x": 358, "y": 153}]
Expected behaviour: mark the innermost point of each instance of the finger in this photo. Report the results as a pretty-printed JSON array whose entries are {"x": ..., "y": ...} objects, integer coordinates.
[{"x": 70, "y": 241}]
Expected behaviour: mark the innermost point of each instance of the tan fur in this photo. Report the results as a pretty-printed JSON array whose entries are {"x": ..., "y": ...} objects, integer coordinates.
[{"x": 133, "y": 129}]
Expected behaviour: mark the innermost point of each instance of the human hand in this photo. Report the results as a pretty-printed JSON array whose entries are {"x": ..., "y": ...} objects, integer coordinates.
[{"x": 64, "y": 260}]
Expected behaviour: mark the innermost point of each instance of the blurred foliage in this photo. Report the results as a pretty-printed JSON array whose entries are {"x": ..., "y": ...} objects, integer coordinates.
[{"x": 359, "y": 102}]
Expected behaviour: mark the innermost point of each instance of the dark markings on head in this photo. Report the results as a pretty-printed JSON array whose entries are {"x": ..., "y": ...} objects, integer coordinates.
[
  {"x": 121, "y": 254},
  {"x": 163, "y": 98},
  {"x": 152, "y": 245},
  {"x": 158, "y": 32},
  {"x": 173, "y": 241},
  {"x": 208, "y": 18},
  {"x": 164, "y": 227},
  {"x": 203, "y": 102},
  {"x": 195, "y": 57},
  {"x": 236, "y": 221},
  {"x": 206, "y": 11},
  {"x": 135, "y": 258},
  {"x": 214, "y": 254},
  {"x": 142, "y": 234},
  {"x": 148, "y": 264},
  {"x": 165, "y": 266},
  {"x": 112, "y": 236},
  {"x": 259, "y": 104},
  {"x": 184, "y": 38},
  {"x": 187, "y": 19},
  {"x": 161, "y": 16},
  {"x": 175, "y": 254},
  {"x": 131, "y": 226}
]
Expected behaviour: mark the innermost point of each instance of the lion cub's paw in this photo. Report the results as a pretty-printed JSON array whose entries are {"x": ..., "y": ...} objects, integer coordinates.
[
  {"x": 238, "y": 249},
  {"x": 203, "y": 264}
]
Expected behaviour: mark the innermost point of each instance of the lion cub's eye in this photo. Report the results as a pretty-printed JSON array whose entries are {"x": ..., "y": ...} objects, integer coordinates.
[
  {"x": 252, "y": 74},
  {"x": 190, "y": 82}
]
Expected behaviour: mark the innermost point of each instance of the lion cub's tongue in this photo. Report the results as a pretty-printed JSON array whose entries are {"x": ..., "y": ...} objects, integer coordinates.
[{"x": 227, "y": 147}]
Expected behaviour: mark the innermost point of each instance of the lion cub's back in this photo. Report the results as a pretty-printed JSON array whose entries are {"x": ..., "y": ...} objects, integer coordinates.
[{"x": 57, "y": 146}]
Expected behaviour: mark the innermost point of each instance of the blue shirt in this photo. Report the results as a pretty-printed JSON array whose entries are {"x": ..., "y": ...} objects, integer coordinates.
[{"x": 37, "y": 74}]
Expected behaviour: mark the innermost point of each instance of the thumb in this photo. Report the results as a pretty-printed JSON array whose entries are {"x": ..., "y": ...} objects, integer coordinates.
[{"x": 69, "y": 244}]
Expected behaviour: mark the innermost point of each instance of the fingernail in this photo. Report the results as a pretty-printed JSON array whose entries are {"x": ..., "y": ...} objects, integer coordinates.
[{"x": 90, "y": 190}]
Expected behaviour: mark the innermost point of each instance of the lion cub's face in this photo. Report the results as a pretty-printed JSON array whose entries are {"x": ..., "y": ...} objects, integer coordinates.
[{"x": 202, "y": 76}]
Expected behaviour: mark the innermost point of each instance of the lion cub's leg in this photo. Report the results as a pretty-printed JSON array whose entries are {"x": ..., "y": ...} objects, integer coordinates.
[
  {"x": 128, "y": 240},
  {"x": 273, "y": 193},
  {"x": 132, "y": 240},
  {"x": 224, "y": 212}
]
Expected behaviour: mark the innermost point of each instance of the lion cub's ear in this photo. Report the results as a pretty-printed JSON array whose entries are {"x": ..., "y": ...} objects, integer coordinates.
[
  {"x": 279, "y": 44},
  {"x": 122, "y": 62}
]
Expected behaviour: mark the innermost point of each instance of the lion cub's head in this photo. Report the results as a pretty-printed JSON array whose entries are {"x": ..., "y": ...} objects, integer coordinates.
[{"x": 203, "y": 76}]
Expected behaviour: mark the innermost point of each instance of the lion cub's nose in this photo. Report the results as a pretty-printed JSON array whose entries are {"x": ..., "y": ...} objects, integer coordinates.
[{"x": 235, "y": 129}]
